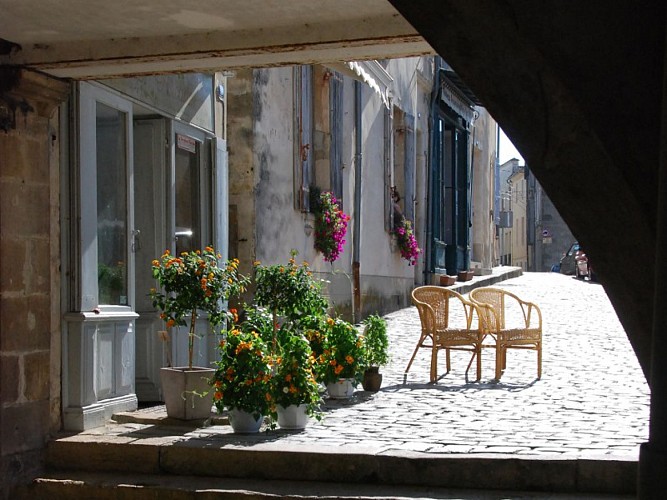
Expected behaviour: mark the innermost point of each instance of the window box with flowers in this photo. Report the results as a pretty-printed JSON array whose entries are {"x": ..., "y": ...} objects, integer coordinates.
[
  {"x": 406, "y": 241},
  {"x": 190, "y": 284},
  {"x": 330, "y": 226}
]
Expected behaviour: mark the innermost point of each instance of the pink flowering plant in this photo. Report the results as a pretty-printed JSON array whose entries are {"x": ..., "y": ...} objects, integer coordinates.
[
  {"x": 330, "y": 227},
  {"x": 407, "y": 243}
]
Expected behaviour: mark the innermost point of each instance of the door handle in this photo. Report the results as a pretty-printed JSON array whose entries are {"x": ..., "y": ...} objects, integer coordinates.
[{"x": 136, "y": 242}]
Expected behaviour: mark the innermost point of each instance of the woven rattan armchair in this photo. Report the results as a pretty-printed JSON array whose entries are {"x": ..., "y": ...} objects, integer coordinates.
[
  {"x": 514, "y": 324},
  {"x": 450, "y": 322}
]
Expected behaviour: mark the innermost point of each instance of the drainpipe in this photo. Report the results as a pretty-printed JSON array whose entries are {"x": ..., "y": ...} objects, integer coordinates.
[
  {"x": 356, "y": 231},
  {"x": 430, "y": 173}
]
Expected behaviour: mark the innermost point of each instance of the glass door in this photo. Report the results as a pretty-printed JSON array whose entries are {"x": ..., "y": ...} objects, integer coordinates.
[{"x": 190, "y": 203}]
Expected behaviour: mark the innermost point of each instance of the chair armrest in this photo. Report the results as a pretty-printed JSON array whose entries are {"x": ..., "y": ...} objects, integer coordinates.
[
  {"x": 426, "y": 315},
  {"x": 528, "y": 308}
]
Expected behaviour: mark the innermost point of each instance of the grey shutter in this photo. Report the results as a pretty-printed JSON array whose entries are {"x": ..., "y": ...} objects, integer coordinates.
[
  {"x": 336, "y": 126},
  {"x": 409, "y": 167}
]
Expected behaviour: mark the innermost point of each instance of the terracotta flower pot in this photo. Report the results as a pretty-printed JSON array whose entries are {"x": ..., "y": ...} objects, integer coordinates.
[{"x": 372, "y": 380}]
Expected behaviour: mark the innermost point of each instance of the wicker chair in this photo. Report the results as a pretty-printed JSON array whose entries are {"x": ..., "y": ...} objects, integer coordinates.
[
  {"x": 447, "y": 322},
  {"x": 512, "y": 322}
]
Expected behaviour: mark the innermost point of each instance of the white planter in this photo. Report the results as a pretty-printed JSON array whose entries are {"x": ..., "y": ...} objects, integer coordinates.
[
  {"x": 293, "y": 417},
  {"x": 343, "y": 389},
  {"x": 181, "y": 388},
  {"x": 243, "y": 422}
]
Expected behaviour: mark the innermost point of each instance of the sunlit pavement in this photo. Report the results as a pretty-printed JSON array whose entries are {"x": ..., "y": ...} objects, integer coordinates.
[
  {"x": 592, "y": 398},
  {"x": 576, "y": 431}
]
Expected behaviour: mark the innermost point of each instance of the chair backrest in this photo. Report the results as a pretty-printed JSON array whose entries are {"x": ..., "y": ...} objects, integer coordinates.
[
  {"x": 436, "y": 304},
  {"x": 507, "y": 307},
  {"x": 494, "y": 297}
]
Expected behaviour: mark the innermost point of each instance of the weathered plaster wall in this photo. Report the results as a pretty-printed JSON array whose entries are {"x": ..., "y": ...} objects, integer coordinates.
[
  {"x": 240, "y": 116},
  {"x": 483, "y": 163},
  {"x": 263, "y": 214},
  {"x": 29, "y": 279}
]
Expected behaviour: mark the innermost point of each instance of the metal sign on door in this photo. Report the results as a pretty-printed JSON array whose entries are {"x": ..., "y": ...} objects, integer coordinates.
[{"x": 186, "y": 143}]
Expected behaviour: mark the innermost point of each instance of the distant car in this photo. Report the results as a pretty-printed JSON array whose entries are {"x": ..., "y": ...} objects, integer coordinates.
[{"x": 575, "y": 262}]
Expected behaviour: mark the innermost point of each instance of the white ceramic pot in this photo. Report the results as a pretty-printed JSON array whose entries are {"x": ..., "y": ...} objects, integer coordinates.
[
  {"x": 294, "y": 417},
  {"x": 343, "y": 389},
  {"x": 243, "y": 422}
]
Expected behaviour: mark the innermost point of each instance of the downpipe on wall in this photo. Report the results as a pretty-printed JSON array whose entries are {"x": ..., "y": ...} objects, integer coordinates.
[{"x": 356, "y": 231}]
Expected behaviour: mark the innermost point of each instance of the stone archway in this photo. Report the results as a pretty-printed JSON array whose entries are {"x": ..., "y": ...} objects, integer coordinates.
[{"x": 579, "y": 87}]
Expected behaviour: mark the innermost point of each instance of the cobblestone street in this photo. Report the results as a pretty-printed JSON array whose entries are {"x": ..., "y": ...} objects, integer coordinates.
[
  {"x": 592, "y": 399},
  {"x": 578, "y": 429}
]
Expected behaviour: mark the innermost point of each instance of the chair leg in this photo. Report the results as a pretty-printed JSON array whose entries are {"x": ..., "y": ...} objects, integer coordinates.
[
  {"x": 479, "y": 363},
  {"x": 419, "y": 344},
  {"x": 434, "y": 364},
  {"x": 449, "y": 361},
  {"x": 539, "y": 360},
  {"x": 499, "y": 361}
]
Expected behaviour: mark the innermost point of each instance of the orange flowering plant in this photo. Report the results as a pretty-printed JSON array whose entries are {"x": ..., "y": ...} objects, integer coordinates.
[
  {"x": 293, "y": 381},
  {"x": 243, "y": 374},
  {"x": 342, "y": 353},
  {"x": 195, "y": 281}
]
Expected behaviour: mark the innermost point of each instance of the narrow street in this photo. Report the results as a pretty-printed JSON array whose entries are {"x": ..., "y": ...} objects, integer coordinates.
[
  {"x": 573, "y": 434},
  {"x": 592, "y": 399}
]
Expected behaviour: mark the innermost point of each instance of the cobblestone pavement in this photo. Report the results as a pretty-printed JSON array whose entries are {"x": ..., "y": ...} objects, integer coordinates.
[{"x": 592, "y": 400}]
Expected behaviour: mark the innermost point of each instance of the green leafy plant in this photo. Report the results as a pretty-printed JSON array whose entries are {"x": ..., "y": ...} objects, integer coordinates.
[
  {"x": 289, "y": 291},
  {"x": 243, "y": 374},
  {"x": 342, "y": 353},
  {"x": 293, "y": 381},
  {"x": 192, "y": 282},
  {"x": 375, "y": 341}
]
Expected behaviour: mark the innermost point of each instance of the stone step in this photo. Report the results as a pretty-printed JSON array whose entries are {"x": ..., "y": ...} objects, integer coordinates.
[
  {"x": 172, "y": 454},
  {"x": 106, "y": 486}
]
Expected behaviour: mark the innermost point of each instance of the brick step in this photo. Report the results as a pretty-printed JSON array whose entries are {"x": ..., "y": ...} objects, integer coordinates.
[
  {"x": 264, "y": 457},
  {"x": 107, "y": 486}
]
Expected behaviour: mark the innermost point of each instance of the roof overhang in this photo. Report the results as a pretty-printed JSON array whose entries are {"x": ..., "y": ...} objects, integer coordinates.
[{"x": 91, "y": 39}]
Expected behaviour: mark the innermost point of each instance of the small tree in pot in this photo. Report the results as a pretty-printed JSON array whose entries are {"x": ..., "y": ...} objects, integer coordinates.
[
  {"x": 192, "y": 283},
  {"x": 376, "y": 346}
]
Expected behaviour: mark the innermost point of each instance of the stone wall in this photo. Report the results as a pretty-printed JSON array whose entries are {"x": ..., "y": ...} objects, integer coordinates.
[{"x": 29, "y": 273}]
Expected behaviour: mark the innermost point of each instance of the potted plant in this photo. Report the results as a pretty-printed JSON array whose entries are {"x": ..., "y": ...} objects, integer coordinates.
[
  {"x": 294, "y": 388},
  {"x": 339, "y": 365},
  {"x": 242, "y": 381},
  {"x": 191, "y": 283},
  {"x": 289, "y": 291},
  {"x": 376, "y": 346}
]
